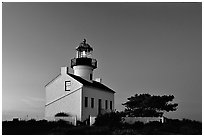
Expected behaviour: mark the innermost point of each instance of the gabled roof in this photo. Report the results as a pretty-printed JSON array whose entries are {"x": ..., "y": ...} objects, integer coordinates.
[
  {"x": 52, "y": 80},
  {"x": 93, "y": 84}
]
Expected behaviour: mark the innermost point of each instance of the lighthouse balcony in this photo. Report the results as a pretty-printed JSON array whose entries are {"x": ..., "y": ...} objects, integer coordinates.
[{"x": 84, "y": 61}]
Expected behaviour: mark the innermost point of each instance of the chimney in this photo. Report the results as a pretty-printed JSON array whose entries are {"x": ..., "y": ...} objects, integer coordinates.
[
  {"x": 64, "y": 70},
  {"x": 98, "y": 80}
]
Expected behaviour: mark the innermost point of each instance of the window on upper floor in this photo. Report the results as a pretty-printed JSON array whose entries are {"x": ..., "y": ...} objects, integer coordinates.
[
  {"x": 86, "y": 101},
  {"x": 99, "y": 106},
  {"x": 92, "y": 102},
  {"x": 111, "y": 105},
  {"x": 67, "y": 85},
  {"x": 106, "y": 104}
]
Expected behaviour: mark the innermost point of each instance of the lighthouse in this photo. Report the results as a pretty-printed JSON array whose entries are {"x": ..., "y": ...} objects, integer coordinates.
[
  {"x": 78, "y": 95},
  {"x": 83, "y": 65}
]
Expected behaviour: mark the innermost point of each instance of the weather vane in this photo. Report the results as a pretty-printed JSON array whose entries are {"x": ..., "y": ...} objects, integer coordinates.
[{"x": 84, "y": 41}]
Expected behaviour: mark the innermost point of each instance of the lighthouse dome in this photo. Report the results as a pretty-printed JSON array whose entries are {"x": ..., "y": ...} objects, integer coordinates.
[{"x": 83, "y": 46}]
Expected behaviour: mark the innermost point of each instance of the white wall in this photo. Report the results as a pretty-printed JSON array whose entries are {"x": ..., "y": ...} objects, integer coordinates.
[
  {"x": 132, "y": 120},
  {"x": 83, "y": 71},
  {"x": 96, "y": 94},
  {"x": 72, "y": 102},
  {"x": 69, "y": 104}
]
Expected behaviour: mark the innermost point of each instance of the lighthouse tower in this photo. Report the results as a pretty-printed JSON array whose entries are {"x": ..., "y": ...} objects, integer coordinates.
[
  {"x": 83, "y": 65},
  {"x": 78, "y": 95}
]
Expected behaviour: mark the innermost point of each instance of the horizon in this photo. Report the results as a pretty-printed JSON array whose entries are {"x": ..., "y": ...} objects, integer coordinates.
[{"x": 153, "y": 48}]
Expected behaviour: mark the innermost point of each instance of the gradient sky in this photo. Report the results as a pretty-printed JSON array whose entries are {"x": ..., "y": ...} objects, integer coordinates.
[{"x": 151, "y": 48}]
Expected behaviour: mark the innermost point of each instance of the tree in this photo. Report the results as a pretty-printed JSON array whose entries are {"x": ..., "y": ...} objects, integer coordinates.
[{"x": 146, "y": 105}]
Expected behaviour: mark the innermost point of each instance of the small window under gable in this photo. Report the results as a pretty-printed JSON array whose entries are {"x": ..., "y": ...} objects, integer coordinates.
[
  {"x": 67, "y": 85},
  {"x": 91, "y": 76}
]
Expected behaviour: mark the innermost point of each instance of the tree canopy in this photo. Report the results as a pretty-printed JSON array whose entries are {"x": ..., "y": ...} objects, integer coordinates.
[{"x": 146, "y": 105}]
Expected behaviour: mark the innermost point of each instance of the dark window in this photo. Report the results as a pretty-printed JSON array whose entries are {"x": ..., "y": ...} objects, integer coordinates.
[
  {"x": 91, "y": 76},
  {"x": 99, "y": 106},
  {"x": 106, "y": 104},
  {"x": 67, "y": 85},
  {"x": 111, "y": 105},
  {"x": 86, "y": 101},
  {"x": 92, "y": 102}
]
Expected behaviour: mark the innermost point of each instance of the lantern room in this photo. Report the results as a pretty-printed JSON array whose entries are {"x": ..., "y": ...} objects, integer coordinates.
[{"x": 84, "y": 50}]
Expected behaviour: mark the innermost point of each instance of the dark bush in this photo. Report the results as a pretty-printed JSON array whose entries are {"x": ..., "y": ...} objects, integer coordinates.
[
  {"x": 61, "y": 114},
  {"x": 105, "y": 124},
  {"x": 113, "y": 119},
  {"x": 138, "y": 125},
  {"x": 31, "y": 127}
]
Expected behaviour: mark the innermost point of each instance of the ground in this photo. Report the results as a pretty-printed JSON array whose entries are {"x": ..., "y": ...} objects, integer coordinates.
[{"x": 32, "y": 127}]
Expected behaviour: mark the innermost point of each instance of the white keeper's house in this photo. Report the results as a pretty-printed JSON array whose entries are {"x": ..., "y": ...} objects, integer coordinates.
[{"x": 78, "y": 94}]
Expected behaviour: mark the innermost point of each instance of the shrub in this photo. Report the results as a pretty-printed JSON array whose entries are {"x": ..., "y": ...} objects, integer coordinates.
[
  {"x": 113, "y": 119},
  {"x": 61, "y": 114}
]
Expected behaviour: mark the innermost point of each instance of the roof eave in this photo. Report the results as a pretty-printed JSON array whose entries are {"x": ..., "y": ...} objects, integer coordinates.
[{"x": 52, "y": 80}]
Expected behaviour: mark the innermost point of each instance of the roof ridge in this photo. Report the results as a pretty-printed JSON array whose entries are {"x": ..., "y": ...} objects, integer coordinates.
[{"x": 94, "y": 84}]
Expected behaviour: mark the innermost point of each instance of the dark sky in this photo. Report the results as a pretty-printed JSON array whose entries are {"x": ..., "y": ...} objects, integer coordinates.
[{"x": 151, "y": 48}]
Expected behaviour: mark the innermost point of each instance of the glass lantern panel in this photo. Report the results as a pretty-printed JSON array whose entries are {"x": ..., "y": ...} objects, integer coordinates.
[{"x": 84, "y": 54}]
